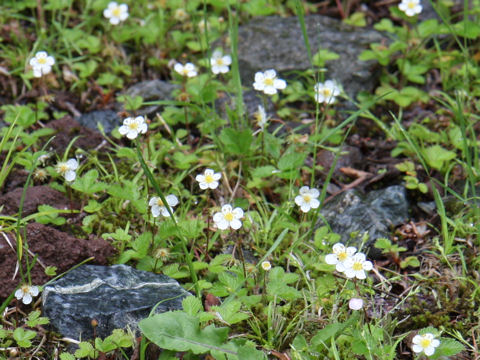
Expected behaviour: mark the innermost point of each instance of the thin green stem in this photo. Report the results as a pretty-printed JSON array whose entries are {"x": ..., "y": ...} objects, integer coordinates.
[{"x": 183, "y": 241}]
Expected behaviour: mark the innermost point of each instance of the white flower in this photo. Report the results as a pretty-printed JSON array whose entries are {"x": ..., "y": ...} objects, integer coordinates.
[
  {"x": 326, "y": 92},
  {"x": 340, "y": 255},
  {"x": 42, "y": 63},
  {"x": 228, "y": 217},
  {"x": 356, "y": 266},
  {"x": 266, "y": 265},
  {"x": 158, "y": 207},
  {"x": 355, "y": 304},
  {"x": 116, "y": 13},
  {"x": 410, "y": 7},
  {"x": 68, "y": 169},
  {"x": 261, "y": 116},
  {"x": 307, "y": 199},
  {"x": 268, "y": 82},
  {"x": 426, "y": 343},
  {"x": 26, "y": 292},
  {"x": 220, "y": 63},
  {"x": 209, "y": 180},
  {"x": 188, "y": 69},
  {"x": 180, "y": 14},
  {"x": 133, "y": 126}
]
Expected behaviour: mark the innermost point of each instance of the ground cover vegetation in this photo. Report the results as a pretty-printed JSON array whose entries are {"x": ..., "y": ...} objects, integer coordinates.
[{"x": 229, "y": 203}]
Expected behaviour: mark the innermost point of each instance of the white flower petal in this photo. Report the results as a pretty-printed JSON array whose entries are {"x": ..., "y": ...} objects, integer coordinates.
[
  {"x": 331, "y": 259},
  {"x": 235, "y": 224},
  {"x": 222, "y": 224},
  {"x": 70, "y": 175},
  {"x": 27, "y": 299},
  {"x": 238, "y": 213},
  {"x": 314, "y": 203},
  {"x": 172, "y": 200},
  {"x": 155, "y": 211},
  {"x": 19, "y": 294},
  {"x": 305, "y": 207}
]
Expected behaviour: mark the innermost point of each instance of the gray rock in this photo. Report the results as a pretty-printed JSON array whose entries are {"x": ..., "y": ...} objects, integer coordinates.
[
  {"x": 277, "y": 43},
  {"x": 377, "y": 213},
  {"x": 151, "y": 90},
  {"x": 107, "y": 118},
  {"x": 115, "y": 296}
]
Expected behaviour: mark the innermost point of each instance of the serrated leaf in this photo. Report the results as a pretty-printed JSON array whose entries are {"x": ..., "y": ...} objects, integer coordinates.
[
  {"x": 449, "y": 347},
  {"x": 437, "y": 157},
  {"x": 235, "y": 141},
  {"x": 23, "y": 337},
  {"x": 85, "y": 350},
  {"x": 66, "y": 356},
  {"x": 230, "y": 312},
  {"x": 192, "y": 305}
]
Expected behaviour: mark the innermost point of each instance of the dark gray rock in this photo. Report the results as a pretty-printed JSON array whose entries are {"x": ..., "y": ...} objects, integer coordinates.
[
  {"x": 377, "y": 213},
  {"x": 151, "y": 90},
  {"x": 277, "y": 43},
  {"x": 115, "y": 296},
  {"x": 107, "y": 118}
]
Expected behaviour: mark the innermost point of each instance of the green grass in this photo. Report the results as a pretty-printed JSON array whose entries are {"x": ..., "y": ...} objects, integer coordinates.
[{"x": 300, "y": 306}]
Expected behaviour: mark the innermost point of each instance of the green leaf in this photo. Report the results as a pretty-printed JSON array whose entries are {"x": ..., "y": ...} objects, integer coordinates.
[
  {"x": 438, "y": 157},
  {"x": 23, "y": 337},
  {"x": 67, "y": 356},
  {"x": 385, "y": 25},
  {"x": 179, "y": 331},
  {"x": 235, "y": 141},
  {"x": 87, "y": 183},
  {"x": 410, "y": 261},
  {"x": 50, "y": 215},
  {"x": 51, "y": 270},
  {"x": 192, "y": 305},
  {"x": 85, "y": 350},
  {"x": 230, "y": 312},
  {"x": 35, "y": 319},
  {"x": 356, "y": 19},
  {"x": 449, "y": 347},
  {"x": 92, "y": 206},
  {"x": 26, "y": 116},
  {"x": 263, "y": 171},
  {"x": 278, "y": 282},
  {"x": 291, "y": 159},
  {"x": 324, "y": 55}
]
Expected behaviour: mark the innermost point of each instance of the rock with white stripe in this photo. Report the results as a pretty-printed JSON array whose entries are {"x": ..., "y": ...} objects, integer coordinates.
[{"x": 113, "y": 297}]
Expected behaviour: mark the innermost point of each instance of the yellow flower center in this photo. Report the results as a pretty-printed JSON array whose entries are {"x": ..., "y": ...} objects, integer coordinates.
[
  {"x": 357, "y": 266},
  {"x": 219, "y": 61},
  {"x": 209, "y": 179},
  {"x": 62, "y": 168},
  {"x": 411, "y": 5},
  {"x": 42, "y": 60},
  {"x": 342, "y": 256},
  {"x": 116, "y": 12},
  {"x": 159, "y": 202},
  {"x": 425, "y": 343},
  {"x": 307, "y": 198},
  {"x": 25, "y": 289},
  {"x": 327, "y": 92},
  {"x": 268, "y": 82},
  {"x": 133, "y": 126},
  {"x": 229, "y": 216}
]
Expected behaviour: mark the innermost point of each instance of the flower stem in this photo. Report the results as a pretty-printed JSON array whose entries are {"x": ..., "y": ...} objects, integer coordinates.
[{"x": 183, "y": 240}]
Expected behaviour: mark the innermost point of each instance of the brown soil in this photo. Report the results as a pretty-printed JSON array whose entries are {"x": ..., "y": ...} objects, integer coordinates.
[
  {"x": 67, "y": 128},
  {"x": 35, "y": 196},
  {"x": 53, "y": 248}
]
